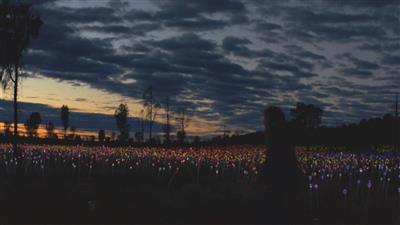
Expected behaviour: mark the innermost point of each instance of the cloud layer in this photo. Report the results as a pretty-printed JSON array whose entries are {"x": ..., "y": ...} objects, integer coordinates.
[{"x": 226, "y": 60}]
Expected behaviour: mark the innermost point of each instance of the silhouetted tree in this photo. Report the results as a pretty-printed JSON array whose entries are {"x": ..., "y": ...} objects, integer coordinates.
[
  {"x": 151, "y": 108},
  {"x": 77, "y": 138},
  {"x": 196, "y": 140},
  {"x": 32, "y": 124},
  {"x": 139, "y": 136},
  {"x": 7, "y": 129},
  {"x": 65, "y": 118},
  {"x": 17, "y": 27},
  {"x": 367, "y": 135},
  {"x": 181, "y": 136},
  {"x": 73, "y": 131},
  {"x": 167, "y": 126},
  {"x": 102, "y": 135},
  {"x": 238, "y": 132},
  {"x": 50, "y": 130},
  {"x": 182, "y": 123},
  {"x": 91, "y": 138},
  {"x": 113, "y": 135},
  {"x": 226, "y": 132},
  {"x": 121, "y": 117},
  {"x": 306, "y": 116}
]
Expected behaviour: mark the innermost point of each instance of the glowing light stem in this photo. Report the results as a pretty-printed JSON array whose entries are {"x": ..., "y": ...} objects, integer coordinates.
[
  {"x": 90, "y": 170},
  {"x": 317, "y": 198},
  {"x": 310, "y": 198},
  {"x": 239, "y": 169},
  {"x": 79, "y": 168},
  {"x": 73, "y": 170},
  {"x": 398, "y": 197},
  {"x": 345, "y": 199},
  {"x": 368, "y": 197},
  {"x": 198, "y": 173},
  {"x": 42, "y": 169},
  {"x": 172, "y": 177}
]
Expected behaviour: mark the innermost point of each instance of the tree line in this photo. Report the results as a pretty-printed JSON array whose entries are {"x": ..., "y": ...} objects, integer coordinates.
[
  {"x": 152, "y": 111},
  {"x": 305, "y": 129}
]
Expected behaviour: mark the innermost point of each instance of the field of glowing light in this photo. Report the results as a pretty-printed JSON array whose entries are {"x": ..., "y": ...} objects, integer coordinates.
[{"x": 335, "y": 179}]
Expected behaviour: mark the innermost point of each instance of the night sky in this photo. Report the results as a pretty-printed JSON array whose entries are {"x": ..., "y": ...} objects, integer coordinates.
[{"x": 222, "y": 60}]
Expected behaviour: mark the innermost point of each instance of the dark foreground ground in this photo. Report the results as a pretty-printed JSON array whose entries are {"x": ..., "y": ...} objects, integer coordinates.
[{"x": 122, "y": 200}]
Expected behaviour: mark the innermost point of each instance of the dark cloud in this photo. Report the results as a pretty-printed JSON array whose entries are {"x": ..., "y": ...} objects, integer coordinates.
[
  {"x": 137, "y": 29},
  {"x": 234, "y": 44},
  {"x": 198, "y": 23},
  {"x": 343, "y": 33},
  {"x": 137, "y": 47},
  {"x": 362, "y": 65},
  {"x": 118, "y": 4},
  {"x": 280, "y": 66},
  {"x": 239, "y": 19},
  {"x": 66, "y": 15},
  {"x": 192, "y": 15},
  {"x": 190, "y": 8},
  {"x": 185, "y": 41},
  {"x": 380, "y": 47},
  {"x": 319, "y": 22},
  {"x": 262, "y": 26},
  {"x": 308, "y": 16},
  {"x": 393, "y": 60},
  {"x": 357, "y": 73},
  {"x": 70, "y": 57},
  {"x": 109, "y": 28},
  {"x": 302, "y": 53},
  {"x": 366, "y": 3},
  {"x": 138, "y": 15}
]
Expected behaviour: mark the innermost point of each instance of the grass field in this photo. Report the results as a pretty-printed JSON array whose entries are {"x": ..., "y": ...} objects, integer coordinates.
[{"x": 219, "y": 184}]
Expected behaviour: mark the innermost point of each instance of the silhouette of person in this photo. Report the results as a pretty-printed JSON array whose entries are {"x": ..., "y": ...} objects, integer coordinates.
[{"x": 283, "y": 176}]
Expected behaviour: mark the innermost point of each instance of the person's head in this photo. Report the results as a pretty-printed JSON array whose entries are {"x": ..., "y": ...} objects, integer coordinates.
[{"x": 274, "y": 119}]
